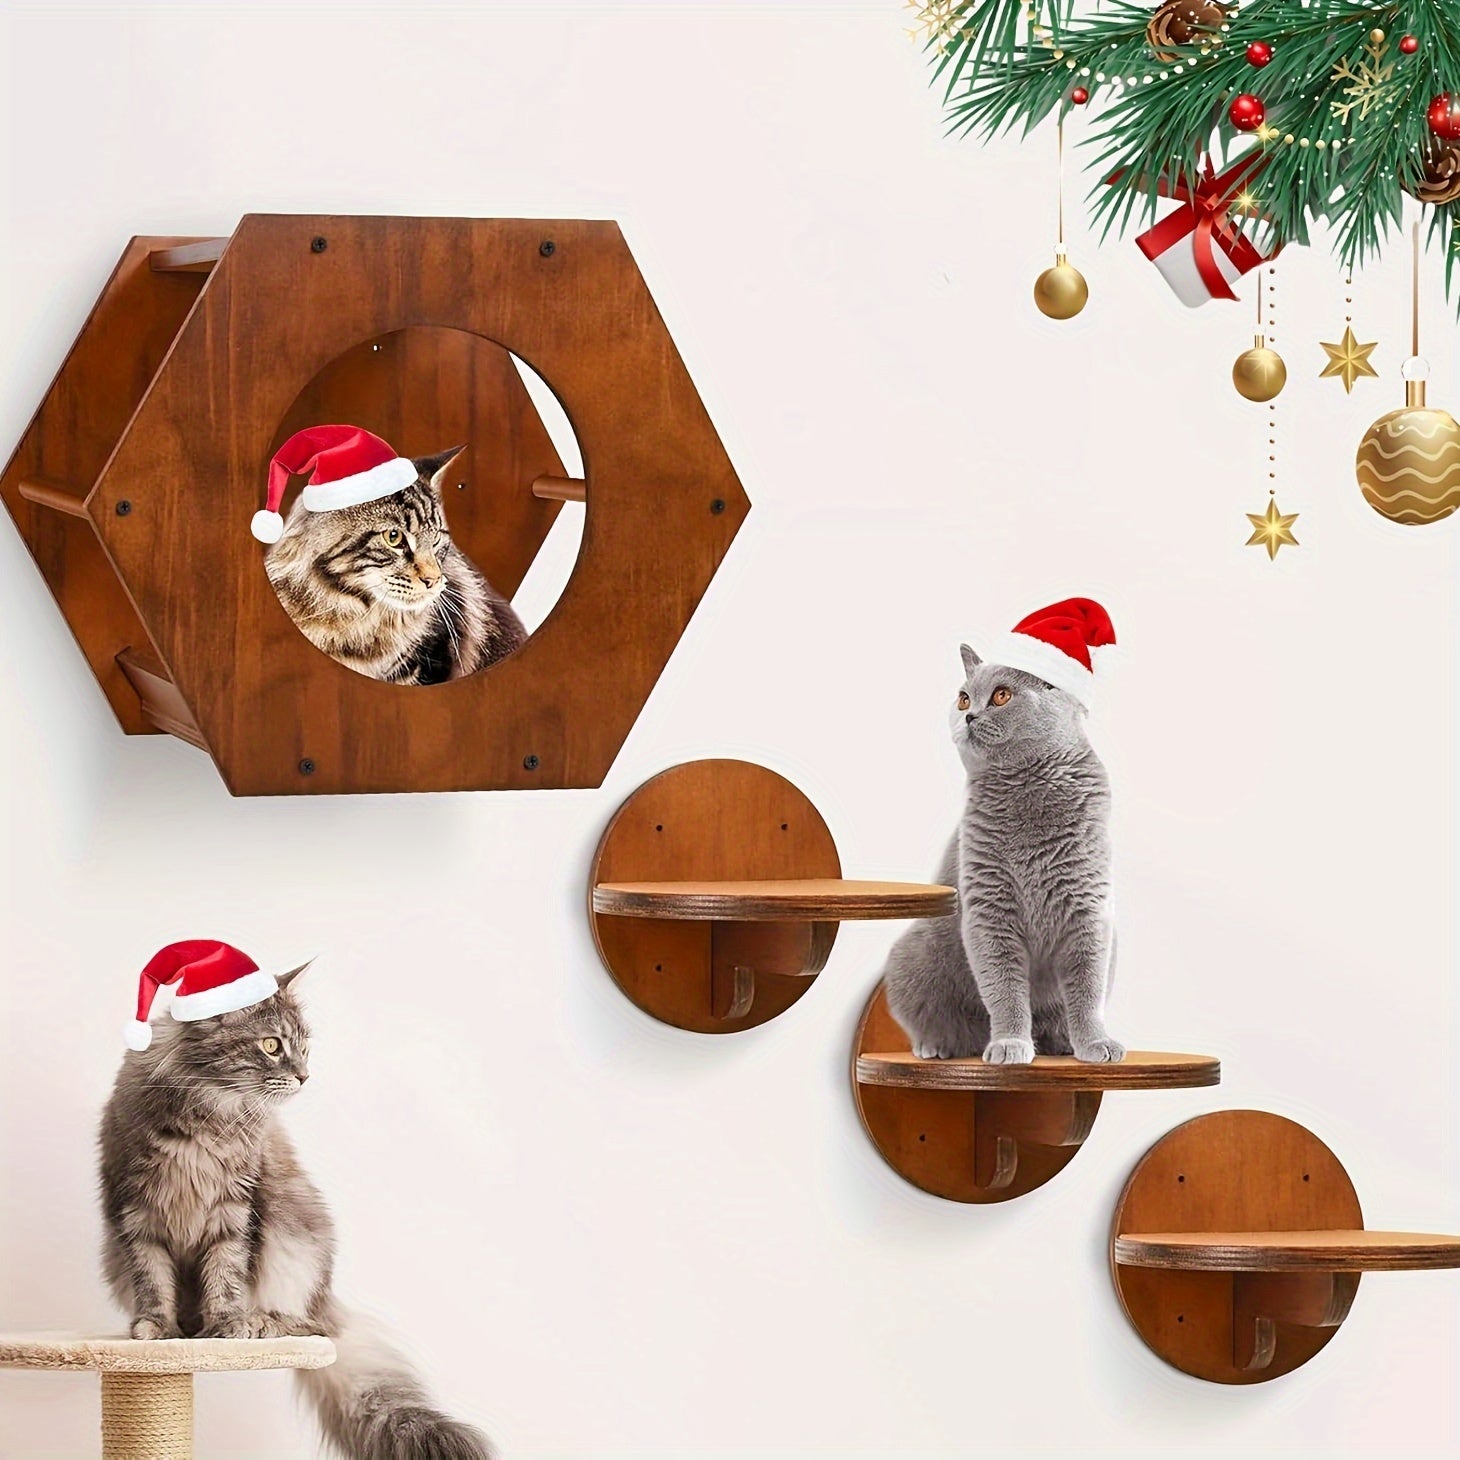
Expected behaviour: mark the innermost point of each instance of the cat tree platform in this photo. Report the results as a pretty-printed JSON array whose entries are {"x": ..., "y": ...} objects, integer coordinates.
[
  {"x": 147, "y": 1384},
  {"x": 134, "y": 484},
  {"x": 976, "y": 1132},
  {"x": 716, "y": 892},
  {"x": 1238, "y": 1243}
]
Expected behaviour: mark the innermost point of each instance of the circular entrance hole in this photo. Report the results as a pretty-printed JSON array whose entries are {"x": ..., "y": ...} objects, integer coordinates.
[{"x": 451, "y": 572}]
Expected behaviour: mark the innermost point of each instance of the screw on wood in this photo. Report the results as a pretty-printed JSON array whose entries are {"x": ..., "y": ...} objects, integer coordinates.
[
  {"x": 531, "y": 762},
  {"x": 717, "y": 506},
  {"x": 547, "y": 248},
  {"x": 306, "y": 767},
  {"x": 318, "y": 244},
  {"x": 124, "y": 508}
]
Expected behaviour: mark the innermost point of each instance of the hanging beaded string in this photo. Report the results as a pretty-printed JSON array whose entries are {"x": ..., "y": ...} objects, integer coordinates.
[{"x": 1271, "y": 282}]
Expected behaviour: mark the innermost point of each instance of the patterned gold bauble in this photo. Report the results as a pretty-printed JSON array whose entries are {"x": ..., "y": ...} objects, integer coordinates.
[
  {"x": 1060, "y": 292},
  {"x": 1409, "y": 462},
  {"x": 1183, "y": 23},
  {"x": 1441, "y": 181},
  {"x": 1259, "y": 373}
]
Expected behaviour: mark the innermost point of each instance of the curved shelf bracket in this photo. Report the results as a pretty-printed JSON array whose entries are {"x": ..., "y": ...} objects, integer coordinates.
[
  {"x": 1003, "y": 1121},
  {"x": 1261, "y": 1301},
  {"x": 740, "y": 952}
]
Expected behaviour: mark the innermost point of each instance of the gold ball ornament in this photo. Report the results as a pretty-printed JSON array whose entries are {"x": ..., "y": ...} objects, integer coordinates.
[
  {"x": 1409, "y": 462},
  {"x": 1061, "y": 292},
  {"x": 1259, "y": 373}
]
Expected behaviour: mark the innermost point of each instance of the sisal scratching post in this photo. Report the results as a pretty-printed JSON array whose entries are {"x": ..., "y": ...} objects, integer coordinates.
[{"x": 147, "y": 1416}]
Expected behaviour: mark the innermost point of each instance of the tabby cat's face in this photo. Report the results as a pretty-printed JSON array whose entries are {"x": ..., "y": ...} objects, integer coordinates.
[
  {"x": 392, "y": 551},
  {"x": 253, "y": 1057},
  {"x": 1006, "y": 715}
]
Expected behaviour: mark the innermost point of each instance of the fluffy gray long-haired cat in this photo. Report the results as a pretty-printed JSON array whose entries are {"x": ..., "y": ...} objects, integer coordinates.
[
  {"x": 213, "y": 1229},
  {"x": 1026, "y": 966},
  {"x": 381, "y": 588}
]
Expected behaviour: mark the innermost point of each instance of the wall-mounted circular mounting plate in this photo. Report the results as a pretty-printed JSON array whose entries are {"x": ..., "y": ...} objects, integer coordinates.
[
  {"x": 1231, "y": 1172},
  {"x": 716, "y": 891}
]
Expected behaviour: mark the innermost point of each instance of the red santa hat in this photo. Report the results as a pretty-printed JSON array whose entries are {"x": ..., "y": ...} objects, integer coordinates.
[
  {"x": 203, "y": 978},
  {"x": 347, "y": 466},
  {"x": 1059, "y": 644}
]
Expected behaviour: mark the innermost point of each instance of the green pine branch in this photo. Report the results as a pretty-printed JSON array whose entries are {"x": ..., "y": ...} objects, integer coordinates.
[{"x": 1159, "y": 116}]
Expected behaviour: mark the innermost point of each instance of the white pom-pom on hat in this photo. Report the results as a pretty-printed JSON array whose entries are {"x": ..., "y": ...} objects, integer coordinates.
[
  {"x": 138, "y": 1035},
  {"x": 266, "y": 526}
]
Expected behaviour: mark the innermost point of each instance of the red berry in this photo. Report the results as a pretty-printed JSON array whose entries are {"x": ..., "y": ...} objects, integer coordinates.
[
  {"x": 1259, "y": 53},
  {"x": 1444, "y": 117},
  {"x": 1247, "y": 112},
  {"x": 1079, "y": 96},
  {"x": 1409, "y": 44}
]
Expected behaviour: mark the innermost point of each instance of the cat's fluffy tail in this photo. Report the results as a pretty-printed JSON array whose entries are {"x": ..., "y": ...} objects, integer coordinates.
[{"x": 372, "y": 1405}]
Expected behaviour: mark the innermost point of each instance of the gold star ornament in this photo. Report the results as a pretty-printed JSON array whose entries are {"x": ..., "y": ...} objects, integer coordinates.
[
  {"x": 1348, "y": 359},
  {"x": 1272, "y": 529}
]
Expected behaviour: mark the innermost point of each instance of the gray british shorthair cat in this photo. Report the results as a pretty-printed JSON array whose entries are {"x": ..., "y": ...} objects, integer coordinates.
[
  {"x": 1025, "y": 967},
  {"x": 213, "y": 1229},
  {"x": 381, "y": 587}
]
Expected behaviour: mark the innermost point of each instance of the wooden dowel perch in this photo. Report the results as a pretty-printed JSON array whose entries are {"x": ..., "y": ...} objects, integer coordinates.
[
  {"x": 187, "y": 258},
  {"x": 55, "y": 495},
  {"x": 560, "y": 489}
]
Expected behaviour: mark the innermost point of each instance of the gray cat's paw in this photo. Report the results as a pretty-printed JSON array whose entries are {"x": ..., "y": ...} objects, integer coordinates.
[
  {"x": 149, "y": 1327},
  {"x": 926, "y": 1050},
  {"x": 1009, "y": 1052},
  {"x": 1105, "y": 1051}
]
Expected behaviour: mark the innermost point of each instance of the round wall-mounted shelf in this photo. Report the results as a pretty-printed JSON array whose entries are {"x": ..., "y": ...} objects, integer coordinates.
[
  {"x": 975, "y": 1132},
  {"x": 1238, "y": 1243},
  {"x": 715, "y": 894},
  {"x": 822, "y": 899}
]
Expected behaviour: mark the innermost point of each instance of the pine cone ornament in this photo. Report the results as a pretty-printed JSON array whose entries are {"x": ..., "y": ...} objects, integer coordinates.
[
  {"x": 1182, "y": 23},
  {"x": 1441, "y": 182}
]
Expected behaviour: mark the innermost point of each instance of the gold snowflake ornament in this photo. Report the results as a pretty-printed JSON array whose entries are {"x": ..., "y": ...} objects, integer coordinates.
[
  {"x": 936, "y": 22},
  {"x": 1367, "y": 85}
]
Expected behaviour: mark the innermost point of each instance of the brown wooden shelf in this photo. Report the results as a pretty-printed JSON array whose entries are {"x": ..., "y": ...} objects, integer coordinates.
[
  {"x": 1335, "y": 1251},
  {"x": 1139, "y": 1070},
  {"x": 818, "y": 899}
]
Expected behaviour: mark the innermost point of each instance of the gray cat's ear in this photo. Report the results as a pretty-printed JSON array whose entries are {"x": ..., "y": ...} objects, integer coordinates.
[
  {"x": 286, "y": 981},
  {"x": 431, "y": 467},
  {"x": 971, "y": 661}
]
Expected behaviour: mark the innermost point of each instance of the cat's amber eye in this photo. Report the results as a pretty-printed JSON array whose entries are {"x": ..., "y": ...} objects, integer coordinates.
[
  {"x": 392, "y": 536},
  {"x": 270, "y": 1045},
  {"x": 1001, "y": 696},
  {"x": 963, "y": 700}
]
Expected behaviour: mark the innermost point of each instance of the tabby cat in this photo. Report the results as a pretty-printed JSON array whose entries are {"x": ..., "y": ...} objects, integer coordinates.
[
  {"x": 381, "y": 588},
  {"x": 214, "y": 1230}
]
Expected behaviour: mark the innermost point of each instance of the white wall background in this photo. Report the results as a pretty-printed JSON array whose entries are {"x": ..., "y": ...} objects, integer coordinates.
[{"x": 603, "y": 1237}]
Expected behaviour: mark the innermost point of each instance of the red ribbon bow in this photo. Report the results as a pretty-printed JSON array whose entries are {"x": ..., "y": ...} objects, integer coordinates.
[{"x": 1206, "y": 216}]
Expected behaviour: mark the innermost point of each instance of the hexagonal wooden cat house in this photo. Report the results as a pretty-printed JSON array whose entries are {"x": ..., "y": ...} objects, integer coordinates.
[{"x": 135, "y": 482}]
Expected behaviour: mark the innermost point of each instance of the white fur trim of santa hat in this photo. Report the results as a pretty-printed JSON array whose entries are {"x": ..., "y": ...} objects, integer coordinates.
[
  {"x": 1044, "y": 661},
  {"x": 241, "y": 993},
  {"x": 384, "y": 480}
]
